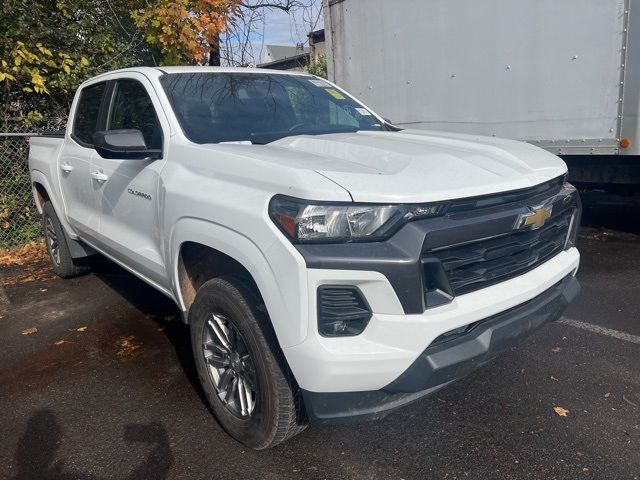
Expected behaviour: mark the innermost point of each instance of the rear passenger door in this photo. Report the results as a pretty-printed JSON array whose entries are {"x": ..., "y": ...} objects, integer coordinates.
[
  {"x": 129, "y": 193},
  {"x": 74, "y": 162}
]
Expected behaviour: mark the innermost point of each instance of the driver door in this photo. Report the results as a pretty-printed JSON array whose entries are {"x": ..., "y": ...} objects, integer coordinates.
[{"x": 128, "y": 191}]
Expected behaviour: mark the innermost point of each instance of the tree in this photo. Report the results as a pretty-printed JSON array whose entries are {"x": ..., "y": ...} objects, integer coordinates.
[
  {"x": 318, "y": 66},
  {"x": 209, "y": 31},
  {"x": 185, "y": 30},
  {"x": 48, "y": 47},
  {"x": 238, "y": 43}
]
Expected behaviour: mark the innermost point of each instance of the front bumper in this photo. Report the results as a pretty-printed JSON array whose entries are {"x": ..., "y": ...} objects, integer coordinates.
[
  {"x": 393, "y": 339},
  {"x": 443, "y": 362}
]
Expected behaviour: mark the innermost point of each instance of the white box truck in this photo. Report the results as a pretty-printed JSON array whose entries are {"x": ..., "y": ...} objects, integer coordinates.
[{"x": 562, "y": 75}]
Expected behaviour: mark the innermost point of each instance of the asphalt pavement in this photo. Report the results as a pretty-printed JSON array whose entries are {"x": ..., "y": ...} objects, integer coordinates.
[{"x": 97, "y": 382}]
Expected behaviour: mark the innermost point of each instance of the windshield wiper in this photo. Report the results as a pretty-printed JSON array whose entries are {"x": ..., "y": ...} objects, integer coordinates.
[{"x": 263, "y": 138}]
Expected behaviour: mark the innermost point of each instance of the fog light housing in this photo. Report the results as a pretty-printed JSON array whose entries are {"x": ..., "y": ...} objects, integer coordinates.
[{"x": 342, "y": 311}]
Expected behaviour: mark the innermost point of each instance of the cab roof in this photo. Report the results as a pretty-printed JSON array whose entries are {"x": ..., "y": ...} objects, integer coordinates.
[{"x": 207, "y": 69}]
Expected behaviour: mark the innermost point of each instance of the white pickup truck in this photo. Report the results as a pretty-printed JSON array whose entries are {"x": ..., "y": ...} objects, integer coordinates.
[{"x": 330, "y": 265}]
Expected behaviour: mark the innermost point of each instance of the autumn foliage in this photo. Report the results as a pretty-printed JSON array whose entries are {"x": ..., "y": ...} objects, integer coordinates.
[{"x": 185, "y": 30}]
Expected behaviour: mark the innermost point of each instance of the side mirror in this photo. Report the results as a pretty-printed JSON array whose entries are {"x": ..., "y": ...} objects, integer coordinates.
[{"x": 123, "y": 144}]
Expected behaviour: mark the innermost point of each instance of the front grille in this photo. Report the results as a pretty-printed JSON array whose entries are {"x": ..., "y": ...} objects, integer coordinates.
[
  {"x": 544, "y": 190},
  {"x": 475, "y": 265}
]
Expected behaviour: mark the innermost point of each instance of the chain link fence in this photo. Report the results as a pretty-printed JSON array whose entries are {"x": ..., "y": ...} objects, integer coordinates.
[{"x": 19, "y": 221}]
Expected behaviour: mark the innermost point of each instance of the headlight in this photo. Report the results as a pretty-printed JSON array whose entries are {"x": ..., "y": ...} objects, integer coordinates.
[{"x": 308, "y": 221}]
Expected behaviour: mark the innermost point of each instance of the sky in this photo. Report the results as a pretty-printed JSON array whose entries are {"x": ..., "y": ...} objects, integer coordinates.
[{"x": 281, "y": 28}]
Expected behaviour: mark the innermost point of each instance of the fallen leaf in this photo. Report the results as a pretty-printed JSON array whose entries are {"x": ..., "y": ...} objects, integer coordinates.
[
  {"x": 561, "y": 411},
  {"x": 60, "y": 342},
  {"x": 30, "y": 274},
  {"x": 29, "y": 253},
  {"x": 607, "y": 395},
  {"x": 43, "y": 289},
  {"x": 29, "y": 331},
  {"x": 555, "y": 349},
  {"x": 554, "y": 378},
  {"x": 127, "y": 346},
  {"x": 81, "y": 329}
]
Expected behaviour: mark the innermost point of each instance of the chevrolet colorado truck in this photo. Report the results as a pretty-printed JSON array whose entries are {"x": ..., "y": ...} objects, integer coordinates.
[{"x": 330, "y": 266}]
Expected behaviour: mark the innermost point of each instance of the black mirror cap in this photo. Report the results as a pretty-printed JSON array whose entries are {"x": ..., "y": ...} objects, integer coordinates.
[{"x": 123, "y": 144}]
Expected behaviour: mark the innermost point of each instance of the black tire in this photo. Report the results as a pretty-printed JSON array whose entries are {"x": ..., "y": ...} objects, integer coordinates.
[
  {"x": 278, "y": 412},
  {"x": 61, "y": 260}
]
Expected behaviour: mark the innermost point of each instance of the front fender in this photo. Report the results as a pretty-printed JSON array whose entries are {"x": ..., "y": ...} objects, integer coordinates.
[{"x": 288, "y": 313}]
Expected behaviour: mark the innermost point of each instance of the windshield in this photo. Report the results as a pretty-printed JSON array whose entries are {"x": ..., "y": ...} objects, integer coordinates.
[{"x": 261, "y": 108}]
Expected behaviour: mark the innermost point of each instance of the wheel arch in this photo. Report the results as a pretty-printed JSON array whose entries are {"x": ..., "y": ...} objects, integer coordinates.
[
  {"x": 43, "y": 192},
  {"x": 40, "y": 196},
  {"x": 201, "y": 250}
]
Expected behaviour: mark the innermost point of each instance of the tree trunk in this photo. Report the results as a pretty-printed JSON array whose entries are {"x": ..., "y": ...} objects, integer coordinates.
[{"x": 214, "y": 53}]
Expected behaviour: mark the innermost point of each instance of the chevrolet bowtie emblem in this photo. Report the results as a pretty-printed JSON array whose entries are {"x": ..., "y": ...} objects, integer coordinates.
[{"x": 534, "y": 219}]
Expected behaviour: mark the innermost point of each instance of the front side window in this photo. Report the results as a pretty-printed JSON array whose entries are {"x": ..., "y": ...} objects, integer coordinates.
[
  {"x": 261, "y": 108},
  {"x": 131, "y": 108},
  {"x": 87, "y": 111}
]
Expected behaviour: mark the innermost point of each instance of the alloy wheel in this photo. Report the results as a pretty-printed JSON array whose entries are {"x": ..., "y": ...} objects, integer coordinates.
[
  {"x": 230, "y": 366},
  {"x": 52, "y": 240}
]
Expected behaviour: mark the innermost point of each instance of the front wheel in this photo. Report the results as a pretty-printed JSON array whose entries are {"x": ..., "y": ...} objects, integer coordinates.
[{"x": 242, "y": 370}]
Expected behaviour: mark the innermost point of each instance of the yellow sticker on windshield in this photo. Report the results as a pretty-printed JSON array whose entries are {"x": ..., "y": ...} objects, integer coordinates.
[{"x": 334, "y": 93}]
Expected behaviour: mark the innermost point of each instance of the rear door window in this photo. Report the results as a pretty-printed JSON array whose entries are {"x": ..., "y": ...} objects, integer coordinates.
[{"x": 87, "y": 111}]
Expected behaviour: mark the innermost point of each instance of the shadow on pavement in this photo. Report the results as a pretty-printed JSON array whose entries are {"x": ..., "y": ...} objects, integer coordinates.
[
  {"x": 36, "y": 455},
  {"x": 615, "y": 211},
  {"x": 155, "y": 305}
]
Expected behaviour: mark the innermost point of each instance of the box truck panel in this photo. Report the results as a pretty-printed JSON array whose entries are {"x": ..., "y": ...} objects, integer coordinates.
[{"x": 547, "y": 72}]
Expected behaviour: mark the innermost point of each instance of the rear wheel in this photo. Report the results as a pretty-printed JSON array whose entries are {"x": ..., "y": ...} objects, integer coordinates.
[
  {"x": 242, "y": 370},
  {"x": 61, "y": 260}
]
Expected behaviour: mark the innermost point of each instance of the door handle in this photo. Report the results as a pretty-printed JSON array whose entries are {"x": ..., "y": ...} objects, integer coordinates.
[
  {"x": 65, "y": 167},
  {"x": 99, "y": 176}
]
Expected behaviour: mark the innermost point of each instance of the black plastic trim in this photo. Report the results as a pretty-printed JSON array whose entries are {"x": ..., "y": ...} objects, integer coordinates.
[
  {"x": 56, "y": 134},
  {"x": 325, "y": 316},
  {"x": 464, "y": 353}
]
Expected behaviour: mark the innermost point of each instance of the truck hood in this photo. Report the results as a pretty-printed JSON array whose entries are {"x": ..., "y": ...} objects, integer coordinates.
[{"x": 422, "y": 166}]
